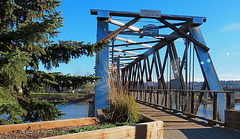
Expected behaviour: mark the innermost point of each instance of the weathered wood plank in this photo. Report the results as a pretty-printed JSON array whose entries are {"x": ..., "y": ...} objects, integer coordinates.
[
  {"x": 182, "y": 127},
  {"x": 232, "y": 119},
  {"x": 150, "y": 130},
  {"x": 48, "y": 124}
]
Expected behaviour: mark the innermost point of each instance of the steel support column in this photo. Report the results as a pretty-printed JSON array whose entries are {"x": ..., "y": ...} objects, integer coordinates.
[
  {"x": 208, "y": 70},
  {"x": 102, "y": 66}
]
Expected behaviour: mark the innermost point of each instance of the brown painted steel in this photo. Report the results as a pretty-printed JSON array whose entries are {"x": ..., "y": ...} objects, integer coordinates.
[
  {"x": 183, "y": 34},
  {"x": 120, "y": 29},
  {"x": 161, "y": 44},
  {"x": 137, "y": 14}
]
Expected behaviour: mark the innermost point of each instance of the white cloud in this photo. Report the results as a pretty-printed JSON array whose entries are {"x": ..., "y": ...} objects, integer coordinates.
[
  {"x": 232, "y": 27},
  {"x": 198, "y": 79},
  {"x": 229, "y": 77}
]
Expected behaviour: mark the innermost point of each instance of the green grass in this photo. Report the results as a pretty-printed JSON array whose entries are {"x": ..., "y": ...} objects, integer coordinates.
[{"x": 90, "y": 128}]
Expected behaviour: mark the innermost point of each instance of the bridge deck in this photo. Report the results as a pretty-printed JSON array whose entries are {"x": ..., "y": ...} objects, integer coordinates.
[{"x": 181, "y": 127}]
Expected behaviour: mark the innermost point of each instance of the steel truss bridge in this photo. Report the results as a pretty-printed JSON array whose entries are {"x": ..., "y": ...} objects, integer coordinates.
[{"x": 157, "y": 58}]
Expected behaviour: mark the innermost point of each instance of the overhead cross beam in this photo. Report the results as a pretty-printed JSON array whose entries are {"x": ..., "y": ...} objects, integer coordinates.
[
  {"x": 114, "y": 33},
  {"x": 132, "y": 53},
  {"x": 132, "y": 42},
  {"x": 135, "y": 49},
  {"x": 121, "y": 56},
  {"x": 122, "y": 24},
  {"x": 137, "y": 14},
  {"x": 121, "y": 61},
  {"x": 161, "y": 44},
  {"x": 183, "y": 34},
  {"x": 137, "y": 43}
]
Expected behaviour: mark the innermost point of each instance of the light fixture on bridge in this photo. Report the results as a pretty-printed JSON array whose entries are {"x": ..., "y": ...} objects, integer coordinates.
[{"x": 208, "y": 60}]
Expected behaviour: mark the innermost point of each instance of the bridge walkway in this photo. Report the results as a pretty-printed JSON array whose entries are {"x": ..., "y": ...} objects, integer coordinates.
[{"x": 177, "y": 126}]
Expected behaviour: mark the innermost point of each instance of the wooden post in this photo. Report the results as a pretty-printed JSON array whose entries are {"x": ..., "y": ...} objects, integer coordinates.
[
  {"x": 228, "y": 103},
  {"x": 151, "y": 93},
  {"x": 192, "y": 102},
  {"x": 166, "y": 98},
  {"x": 137, "y": 93},
  {"x": 145, "y": 97},
  {"x": 214, "y": 106}
]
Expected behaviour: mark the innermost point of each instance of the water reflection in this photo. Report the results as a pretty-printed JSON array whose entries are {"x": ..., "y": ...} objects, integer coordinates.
[
  {"x": 78, "y": 110},
  {"x": 205, "y": 110},
  {"x": 237, "y": 107},
  {"x": 74, "y": 110}
]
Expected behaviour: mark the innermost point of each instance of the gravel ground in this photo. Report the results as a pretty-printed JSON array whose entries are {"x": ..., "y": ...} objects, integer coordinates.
[{"x": 40, "y": 133}]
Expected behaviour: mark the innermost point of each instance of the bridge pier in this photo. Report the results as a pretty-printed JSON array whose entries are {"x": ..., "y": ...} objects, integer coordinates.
[{"x": 102, "y": 63}]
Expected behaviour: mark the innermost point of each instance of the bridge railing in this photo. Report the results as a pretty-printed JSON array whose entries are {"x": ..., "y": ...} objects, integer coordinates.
[{"x": 200, "y": 104}]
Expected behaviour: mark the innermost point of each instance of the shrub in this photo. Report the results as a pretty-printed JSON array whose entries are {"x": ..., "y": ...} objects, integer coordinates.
[{"x": 122, "y": 105}]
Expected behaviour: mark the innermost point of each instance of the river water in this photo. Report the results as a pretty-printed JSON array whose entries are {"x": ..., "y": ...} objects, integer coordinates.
[
  {"x": 79, "y": 110},
  {"x": 74, "y": 110},
  {"x": 237, "y": 107}
]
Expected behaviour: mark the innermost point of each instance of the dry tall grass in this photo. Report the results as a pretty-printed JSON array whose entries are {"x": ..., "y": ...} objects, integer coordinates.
[{"x": 122, "y": 106}]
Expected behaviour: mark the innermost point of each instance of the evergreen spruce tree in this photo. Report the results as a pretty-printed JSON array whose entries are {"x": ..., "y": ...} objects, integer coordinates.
[{"x": 27, "y": 28}]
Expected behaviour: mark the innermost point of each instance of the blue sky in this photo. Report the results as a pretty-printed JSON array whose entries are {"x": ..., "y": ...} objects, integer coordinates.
[{"x": 221, "y": 31}]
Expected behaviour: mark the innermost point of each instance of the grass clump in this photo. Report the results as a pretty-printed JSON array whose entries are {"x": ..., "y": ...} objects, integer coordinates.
[
  {"x": 122, "y": 105},
  {"x": 91, "y": 128}
]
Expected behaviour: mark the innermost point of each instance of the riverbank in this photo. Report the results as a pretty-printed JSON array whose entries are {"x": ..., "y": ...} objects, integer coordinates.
[
  {"x": 70, "y": 97},
  {"x": 237, "y": 100},
  {"x": 75, "y": 99}
]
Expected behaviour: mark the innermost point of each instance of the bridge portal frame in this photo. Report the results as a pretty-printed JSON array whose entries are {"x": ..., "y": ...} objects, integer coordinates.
[{"x": 133, "y": 72}]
